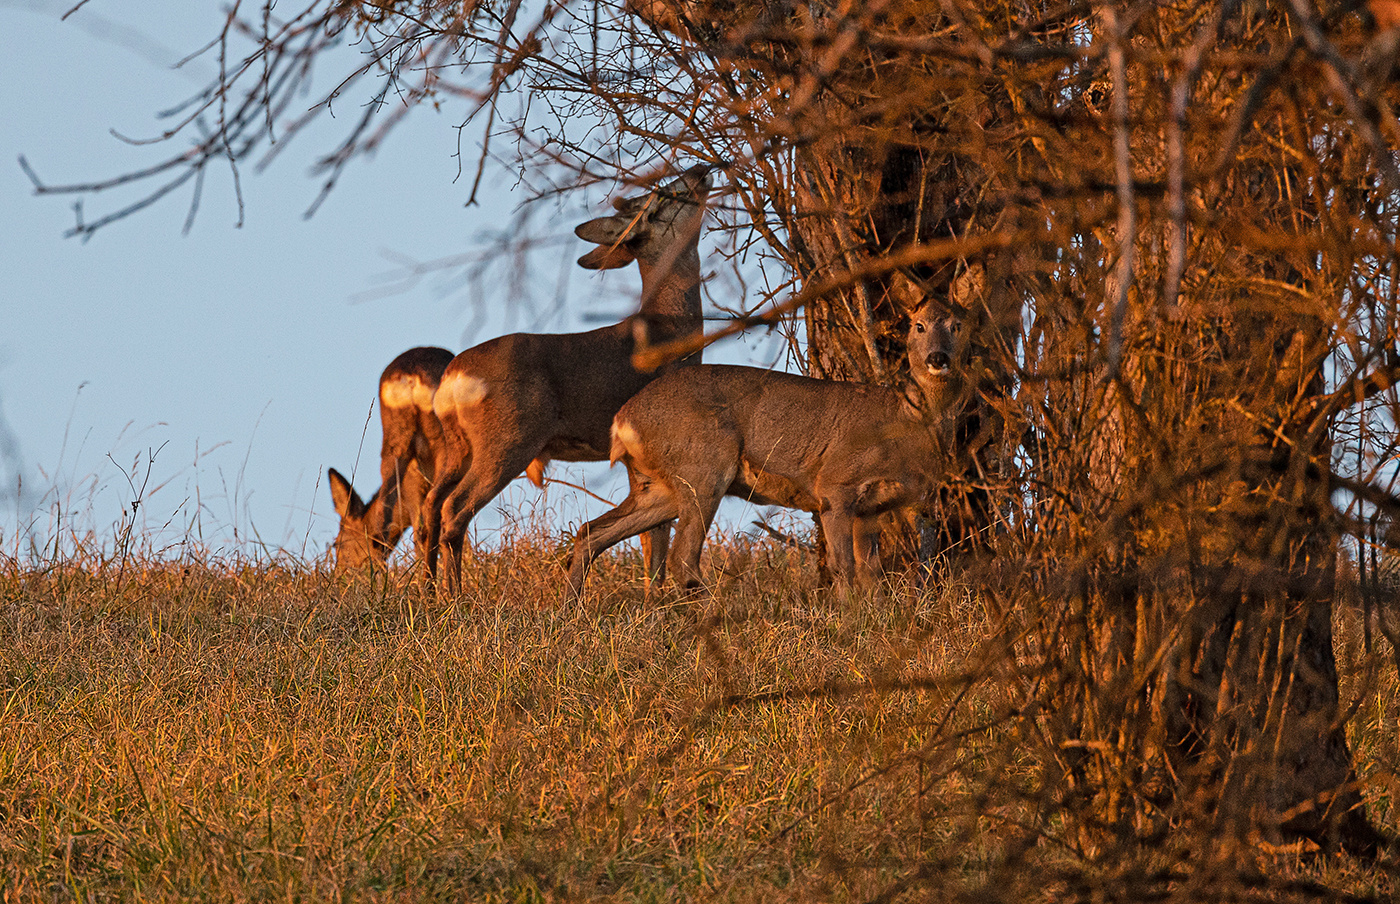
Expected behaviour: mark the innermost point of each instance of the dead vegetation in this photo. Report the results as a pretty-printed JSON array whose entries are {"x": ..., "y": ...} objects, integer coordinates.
[{"x": 241, "y": 731}]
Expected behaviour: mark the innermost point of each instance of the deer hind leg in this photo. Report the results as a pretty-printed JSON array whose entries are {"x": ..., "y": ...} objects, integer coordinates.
[
  {"x": 412, "y": 492},
  {"x": 415, "y": 495},
  {"x": 646, "y": 510},
  {"x": 655, "y": 544},
  {"x": 401, "y": 497},
  {"x": 428, "y": 540},
  {"x": 396, "y": 456},
  {"x": 392, "y": 474},
  {"x": 489, "y": 473}
]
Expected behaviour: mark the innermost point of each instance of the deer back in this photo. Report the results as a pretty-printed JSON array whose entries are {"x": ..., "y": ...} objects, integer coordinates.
[{"x": 796, "y": 435}]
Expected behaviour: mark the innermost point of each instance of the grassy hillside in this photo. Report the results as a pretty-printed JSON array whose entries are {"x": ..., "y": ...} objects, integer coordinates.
[{"x": 239, "y": 732}]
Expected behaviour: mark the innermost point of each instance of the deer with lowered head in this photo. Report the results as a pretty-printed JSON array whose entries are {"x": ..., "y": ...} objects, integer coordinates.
[
  {"x": 846, "y": 451},
  {"x": 531, "y": 397},
  {"x": 369, "y": 531}
]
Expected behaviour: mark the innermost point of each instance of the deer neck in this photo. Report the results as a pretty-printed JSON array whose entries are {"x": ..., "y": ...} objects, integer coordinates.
[
  {"x": 930, "y": 395},
  {"x": 671, "y": 296},
  {"x": 928, "y": 403}
]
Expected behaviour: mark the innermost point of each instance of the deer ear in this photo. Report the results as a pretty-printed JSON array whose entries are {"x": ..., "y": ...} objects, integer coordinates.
[
  {"x": 607, "y": 257},
  {"x": 608, "y": 233},
  {"x": 347, "y": 501},
  {"x": 611, "y": 230}
]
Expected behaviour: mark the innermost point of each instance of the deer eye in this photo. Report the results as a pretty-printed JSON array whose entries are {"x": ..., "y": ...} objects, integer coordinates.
[{"x": 920, "y": 328}]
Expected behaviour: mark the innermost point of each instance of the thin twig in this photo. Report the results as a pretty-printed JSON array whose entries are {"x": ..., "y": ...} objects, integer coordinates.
[
  {"x": 1192, "y": 62},
  {"x": 1122, "y": 279},
  {"x": 1341, "y": 78},
  {"x": 652, "y": 357}
]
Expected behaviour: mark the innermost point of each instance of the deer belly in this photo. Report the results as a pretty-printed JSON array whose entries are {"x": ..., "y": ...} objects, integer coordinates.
[
  {"x": 566, "y": 448},
  {"x": 766, "y": 488}
]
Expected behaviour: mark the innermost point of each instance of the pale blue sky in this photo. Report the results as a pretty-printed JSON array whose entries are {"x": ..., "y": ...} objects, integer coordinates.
[{"x": 247, "y": 356}]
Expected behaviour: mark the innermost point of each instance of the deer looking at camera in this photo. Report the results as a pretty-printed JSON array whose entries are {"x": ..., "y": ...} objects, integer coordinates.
[
  {"x": 369, "y": 531},
  {"x": 536, "y": 397},
  {"x": 847, "y": 451}
]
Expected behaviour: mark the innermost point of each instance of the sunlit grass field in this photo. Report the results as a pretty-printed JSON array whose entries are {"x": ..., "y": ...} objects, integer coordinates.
[{"x": 202, "y": 730}]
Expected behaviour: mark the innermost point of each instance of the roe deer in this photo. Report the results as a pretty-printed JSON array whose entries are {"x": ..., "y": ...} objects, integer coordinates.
[
  {"x": 847, "y": 451},
  {"x": 369, "y": 531},
  {"x": 530, "y": 396}
]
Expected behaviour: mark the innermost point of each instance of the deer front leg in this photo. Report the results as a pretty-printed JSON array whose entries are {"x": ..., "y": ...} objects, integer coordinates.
[
  {"x": 866, "y": 543},
  {"x": 838, "y": 526}
]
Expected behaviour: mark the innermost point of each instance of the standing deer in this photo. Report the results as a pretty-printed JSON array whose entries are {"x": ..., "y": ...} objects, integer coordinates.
[
  {"x": 369, "y": 531},
  {"x": 531, "y": 397},
  {"x": 847, "y": 451}
]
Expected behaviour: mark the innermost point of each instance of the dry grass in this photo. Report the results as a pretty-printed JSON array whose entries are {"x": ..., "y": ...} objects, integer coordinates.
[{"x": 229, "y": 732}]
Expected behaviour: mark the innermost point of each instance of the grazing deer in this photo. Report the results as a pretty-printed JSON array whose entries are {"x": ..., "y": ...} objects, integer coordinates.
[
  {"x": 847, "y": 451},
  {"x": 369, "y": 531},
  {"x": 536, "y": 397}
]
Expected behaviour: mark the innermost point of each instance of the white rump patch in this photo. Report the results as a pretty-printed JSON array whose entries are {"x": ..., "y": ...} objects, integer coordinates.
[
  {"x": 398, "y": 392},
  {"x": 624, "y": 440},
  {"x": 458, "y": 391},
  {"x": 625, "y": 432},
  {"x": 423, "y": 395}
]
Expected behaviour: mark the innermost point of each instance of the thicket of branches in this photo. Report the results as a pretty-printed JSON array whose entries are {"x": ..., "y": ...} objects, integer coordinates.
[{"x": 1171, "y": 227}]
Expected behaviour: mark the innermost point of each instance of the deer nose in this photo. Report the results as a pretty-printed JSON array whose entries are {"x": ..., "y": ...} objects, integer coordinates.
[{"x": 938, "y": 360}]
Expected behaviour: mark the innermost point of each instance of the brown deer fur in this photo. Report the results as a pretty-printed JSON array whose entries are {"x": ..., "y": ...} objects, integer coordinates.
[
  {"x": 369, "y": 531},
  {"x": 530, "y": 396},
  {"x": 847, "y": 451}
]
